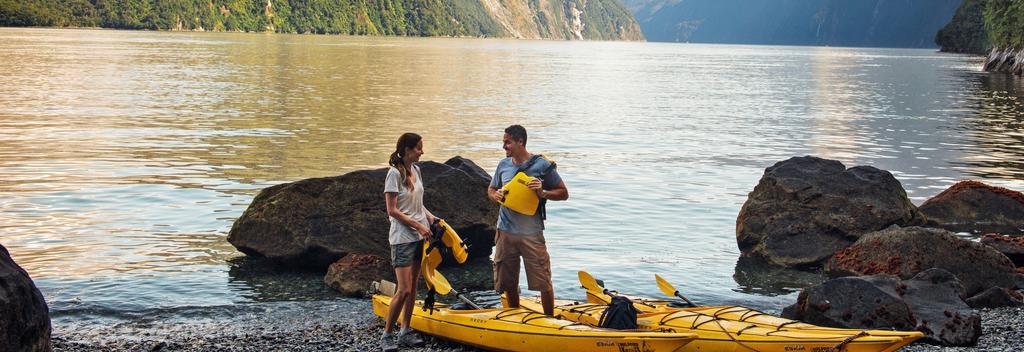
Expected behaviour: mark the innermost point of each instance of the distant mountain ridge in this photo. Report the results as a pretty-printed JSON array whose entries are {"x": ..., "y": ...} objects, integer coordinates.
[
  {"x": 874, "y": 23},
  {"x": 529, "y": 19}
]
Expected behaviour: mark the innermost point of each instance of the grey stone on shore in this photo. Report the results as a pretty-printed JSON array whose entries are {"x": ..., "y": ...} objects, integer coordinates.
[
  {"x": 930, "y": 302},
  {"x": 907, "y": 251},
  {"x": 934, "y": 298},
  {"x": 804, "y": 209},
  {"x": 352, "y": 274},
  {"x": 1002, "y": 330},
  {"x": 24, "y": 316},
  {"x": 975, "y": 207},
  {"x": 996, "y": 297},
  {"x": 865, "y": 302},
  {"x": 1012, "y": 247}
]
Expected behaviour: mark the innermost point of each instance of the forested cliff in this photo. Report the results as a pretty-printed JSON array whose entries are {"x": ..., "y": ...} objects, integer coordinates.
[
  {"x": 995, "y": 27},
  {"x": 533, "y": 19}
]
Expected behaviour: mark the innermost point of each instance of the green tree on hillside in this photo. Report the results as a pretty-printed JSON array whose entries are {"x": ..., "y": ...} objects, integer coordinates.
[{"x": 1003, "y": 22}]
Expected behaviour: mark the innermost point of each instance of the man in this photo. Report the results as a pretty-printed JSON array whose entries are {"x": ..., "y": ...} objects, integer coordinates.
[{"x": 521, "y": 235}]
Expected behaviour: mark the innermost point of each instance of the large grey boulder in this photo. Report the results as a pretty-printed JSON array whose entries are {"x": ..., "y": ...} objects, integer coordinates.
[
  {"x": 929, "y": 302},
  {"x": 804, "y": 209},
  {"x": 975, "y": 207},
  {"x": 312, "y": 223},
  {"x": 24, "y": 316},
  {"x": 907, "y": 251}
]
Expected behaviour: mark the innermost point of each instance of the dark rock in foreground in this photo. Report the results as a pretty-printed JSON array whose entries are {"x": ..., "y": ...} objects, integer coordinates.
[
  {"x": 975, "y": 207},
  {"x": 352, "y": 274},
  {"x": 996, "y": 297},
  {"x": 934, "y": 298},
  {"x": 854, "y": 302},
  {"x": 1012, "y": 247},
  {"x": 804, "y": 209},
  {"x": 312, "y": 223},
  {"x": 930, "y": 302},
  {"x": 907, "y": 251},
  {"x": 24, "y": 316}
]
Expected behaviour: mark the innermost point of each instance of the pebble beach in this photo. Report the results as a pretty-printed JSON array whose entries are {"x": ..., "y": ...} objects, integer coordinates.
[{"x": 340, "y": 325}]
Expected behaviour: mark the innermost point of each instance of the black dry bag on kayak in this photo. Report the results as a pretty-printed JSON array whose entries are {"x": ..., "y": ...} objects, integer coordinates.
[{"x": 620, "y": 314}]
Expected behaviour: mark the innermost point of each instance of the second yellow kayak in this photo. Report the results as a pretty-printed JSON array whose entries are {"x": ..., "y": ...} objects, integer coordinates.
[
  {"x": 751, "y": 316},
  {"x": 714, "y": 334}
]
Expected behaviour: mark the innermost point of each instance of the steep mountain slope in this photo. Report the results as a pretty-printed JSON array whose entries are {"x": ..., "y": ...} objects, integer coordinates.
[{"x": 883, "y": 23}]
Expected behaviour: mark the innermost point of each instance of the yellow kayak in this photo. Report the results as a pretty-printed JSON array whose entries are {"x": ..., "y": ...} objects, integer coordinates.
[
  {"x": 715, "y": 334},
  {"x": 750, "y": 316},
  {"x": 504, "y": 329}
]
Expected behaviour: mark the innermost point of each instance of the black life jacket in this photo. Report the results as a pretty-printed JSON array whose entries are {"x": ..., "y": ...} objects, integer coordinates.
[{"x": 620, "y": 314}]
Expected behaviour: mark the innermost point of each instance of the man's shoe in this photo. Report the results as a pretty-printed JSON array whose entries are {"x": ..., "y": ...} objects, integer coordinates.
[
  {"x": 409, "y": 339},
  {"x": 388, "y": 343}
]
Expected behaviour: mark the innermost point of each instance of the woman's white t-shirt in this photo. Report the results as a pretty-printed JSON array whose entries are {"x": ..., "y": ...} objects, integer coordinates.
[{"x": 409, "y": 202}]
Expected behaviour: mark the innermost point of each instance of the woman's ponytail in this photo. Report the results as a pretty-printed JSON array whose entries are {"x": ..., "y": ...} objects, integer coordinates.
[{"x": 407, "y": 141}]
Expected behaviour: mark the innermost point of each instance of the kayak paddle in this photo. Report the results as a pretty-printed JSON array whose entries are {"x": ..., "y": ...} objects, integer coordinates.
[
  {"x": 668, "y": 289},
  {"x": 440, "y": 285},
  {"x": 593, "y": 288}
]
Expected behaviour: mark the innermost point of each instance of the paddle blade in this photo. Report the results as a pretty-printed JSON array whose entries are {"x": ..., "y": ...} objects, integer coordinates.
[
  {"x": 437, "y": 281},
  {"x": 665, "y": 287},
  {"x": 589, "y": 282},
  {"x": 433, "y": 278},
  {"x": 670, "y": 290}
]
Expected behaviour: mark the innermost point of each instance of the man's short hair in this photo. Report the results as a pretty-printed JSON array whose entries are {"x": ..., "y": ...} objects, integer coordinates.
[{"x": 517, "y": 133}]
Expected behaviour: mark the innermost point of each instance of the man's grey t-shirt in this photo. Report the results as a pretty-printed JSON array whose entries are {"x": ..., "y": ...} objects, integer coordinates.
[
  {"x": 513, "y": 222},
  {"x": 410, "y": 202}
]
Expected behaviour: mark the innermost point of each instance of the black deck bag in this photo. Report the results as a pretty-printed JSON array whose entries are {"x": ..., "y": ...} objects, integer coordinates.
[{"x": 620, "y": 314}]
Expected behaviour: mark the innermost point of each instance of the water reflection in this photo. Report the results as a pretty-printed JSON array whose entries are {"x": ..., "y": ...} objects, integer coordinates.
[
  {"x": 757, "y": 277},
  {"x": 994, "y": 135},
  {"x": 261, "y": 280}
]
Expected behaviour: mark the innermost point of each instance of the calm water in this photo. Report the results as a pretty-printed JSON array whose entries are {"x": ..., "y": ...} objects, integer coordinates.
[{"x": 126, "y": 156}]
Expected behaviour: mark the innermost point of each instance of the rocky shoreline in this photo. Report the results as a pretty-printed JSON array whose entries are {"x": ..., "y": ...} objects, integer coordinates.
[
  {"x": 336, "y": 325},
  {"x": 1007, "y": 59},
  {"x": 342, "y": 325}
]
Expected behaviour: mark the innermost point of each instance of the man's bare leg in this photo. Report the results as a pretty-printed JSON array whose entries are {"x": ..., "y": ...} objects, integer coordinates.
[
  {"x": 512, "y": 296},
  {"x": 547, "y": 299}
]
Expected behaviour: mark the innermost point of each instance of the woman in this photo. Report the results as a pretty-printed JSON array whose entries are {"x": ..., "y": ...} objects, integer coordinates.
[{"x": 403, "y": 195}]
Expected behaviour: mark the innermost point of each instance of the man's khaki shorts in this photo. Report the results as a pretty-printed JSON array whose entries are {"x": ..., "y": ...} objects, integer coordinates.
[{"x": 534, "y": 251}]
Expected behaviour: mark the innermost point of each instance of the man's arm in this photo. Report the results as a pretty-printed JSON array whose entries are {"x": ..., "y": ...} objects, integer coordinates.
[
  {"x": 559, "y": 192},
  {"x": 495, "y": 194}
]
